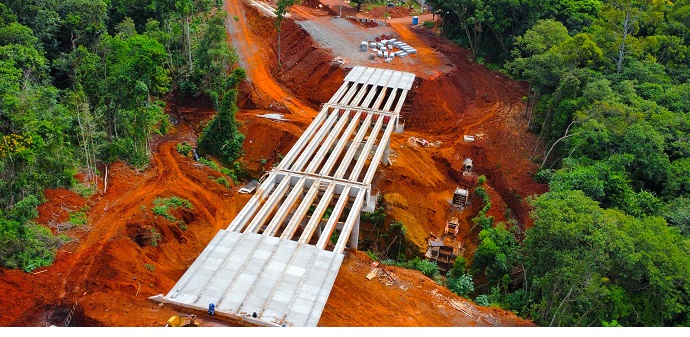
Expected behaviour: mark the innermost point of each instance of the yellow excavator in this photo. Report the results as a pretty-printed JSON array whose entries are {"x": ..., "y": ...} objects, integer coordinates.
[{"x": 183, "y": 320}]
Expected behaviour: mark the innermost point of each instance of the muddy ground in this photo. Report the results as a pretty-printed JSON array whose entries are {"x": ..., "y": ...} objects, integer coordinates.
[{"x": 125, "y": 253}]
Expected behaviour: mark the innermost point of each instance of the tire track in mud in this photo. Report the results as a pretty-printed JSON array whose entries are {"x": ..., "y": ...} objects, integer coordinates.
[
  {"x": 258, "y": 74},
  {"x": 165, "y": 177}
]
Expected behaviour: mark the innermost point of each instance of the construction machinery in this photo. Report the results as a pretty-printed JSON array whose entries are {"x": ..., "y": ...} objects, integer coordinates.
[
  {"x": 183, "y": 320},
  {"x": 452, "y": 226}
]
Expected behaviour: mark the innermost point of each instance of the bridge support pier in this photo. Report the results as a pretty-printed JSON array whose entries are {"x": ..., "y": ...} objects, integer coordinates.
[
  {"x": 386, "y": 153},
  {"x": 354, "y": 235}
]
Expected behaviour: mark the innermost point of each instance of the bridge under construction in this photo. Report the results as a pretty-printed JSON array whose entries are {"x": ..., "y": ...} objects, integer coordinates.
[{"x": 276, "y": 262}]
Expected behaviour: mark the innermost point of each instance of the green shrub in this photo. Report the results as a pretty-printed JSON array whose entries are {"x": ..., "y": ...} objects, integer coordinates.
[
  {"x": 427, "y": 267},
  {"x": 482, "y": 300},
  {"x": 149, "y": 267},
  {"x": 428, "y": 24},
  {"x": 543, "y": 176},
  {"x": 462, "y": 285},
  {"x": 372, "y": 255},
  {"x": 85, "y": 189},
  {"x": 77, "y": 218},
  {"x": 161, "y": 206},
  {"x": 209, "y": 163},
  {"x": 23, "y": 243},
  {"x": 184, "y": 148},
  {"x": 162, "y": 210},
  {"x": 155, "y": 237},
  {"x": 223, "y": 181},
  {"x": 229, "y": 172}
]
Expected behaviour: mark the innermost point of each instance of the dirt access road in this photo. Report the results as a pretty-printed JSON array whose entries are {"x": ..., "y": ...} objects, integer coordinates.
[{"x": 126, "y": 253}]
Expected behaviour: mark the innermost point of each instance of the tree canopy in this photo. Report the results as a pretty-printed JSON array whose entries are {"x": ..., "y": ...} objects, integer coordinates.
[{"x": 82, "y": 84}]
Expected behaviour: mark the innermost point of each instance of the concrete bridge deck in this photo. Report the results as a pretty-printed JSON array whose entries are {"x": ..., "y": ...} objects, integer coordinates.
[{"x": 269, "y": 263}]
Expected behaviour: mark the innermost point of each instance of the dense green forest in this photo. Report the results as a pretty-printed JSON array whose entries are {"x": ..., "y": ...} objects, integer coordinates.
[
  {"x": 610, "y": 99},
  {"x": 82, "y": 84}
]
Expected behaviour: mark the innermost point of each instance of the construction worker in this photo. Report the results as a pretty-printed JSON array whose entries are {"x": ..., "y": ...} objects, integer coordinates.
[{"x": 212, "y": 309}]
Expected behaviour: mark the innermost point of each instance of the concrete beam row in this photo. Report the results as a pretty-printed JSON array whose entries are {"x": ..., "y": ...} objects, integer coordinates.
[{"x": 356, "y": 121}]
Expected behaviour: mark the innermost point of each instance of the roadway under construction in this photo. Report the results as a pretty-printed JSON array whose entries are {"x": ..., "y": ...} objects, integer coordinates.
[{"x": 277, "y": 261}]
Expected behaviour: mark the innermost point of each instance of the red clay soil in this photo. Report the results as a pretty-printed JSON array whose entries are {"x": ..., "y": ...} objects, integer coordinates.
[
  {"x": 124, "y": 240},
  {"x": 380, "y": 12},
  {"x": 458, "y": 98},
  {"x": 407, "y": 298}
]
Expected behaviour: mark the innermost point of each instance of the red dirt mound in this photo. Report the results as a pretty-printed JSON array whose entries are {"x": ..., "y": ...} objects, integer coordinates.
[
  {"x": 393, "y": 12},
  {"x": 401, "y": 299}
]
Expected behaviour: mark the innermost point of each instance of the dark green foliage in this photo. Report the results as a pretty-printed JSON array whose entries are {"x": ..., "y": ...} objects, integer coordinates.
[
  {"x": 482, "y": 219},
  {"x": 428, "y": 268},
  {"x": 24, "y": 244},
  {"x": 462, "y": 285},
  {"x": 589, "y": 265},
  {"x": 82, "y": 83},
  {"x": 184, "y": 148},
  {"x": 677, "y": 214},
  {"x": 221, "y": 137},
  {"x": 378, "y": 216},
  {"x": 496, "y": 254}
]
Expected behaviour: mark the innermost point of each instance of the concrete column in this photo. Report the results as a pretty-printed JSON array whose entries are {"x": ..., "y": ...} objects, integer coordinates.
[
  {"x": 386, "y": 152},
  {"x": 354, "y": 236}
]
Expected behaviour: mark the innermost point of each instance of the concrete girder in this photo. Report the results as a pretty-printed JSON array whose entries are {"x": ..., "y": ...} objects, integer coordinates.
[
  {"x": 295, "y": 150},
  {"x": 302, "y": 209},
  {"x": 318, "y": 214},
  {"x": 354, "y": 176},
  {"x": 383, "y": 147},
  {"x": 269, "y": 206},
  {"x": 350, "y": 222},
  {"x": 315, "y": 142},
  {"x": 253, "y": 204},
  {"x": 325, "y": 147},
  {"x": 345, "y": 164},
  {"x": 333, "y": 219},
  {"x": 326, "y": 169},
  {"x": 284, "y": 209}
]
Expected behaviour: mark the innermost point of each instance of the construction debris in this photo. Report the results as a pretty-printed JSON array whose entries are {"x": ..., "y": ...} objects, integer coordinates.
[
  {"x": 460, "y": 306},
  {"x": 373, "y": 273},
  {"x": 417, "y": 142},
  {"x": 338, "y": 60},
  {"x": 249, "y": 188},
  {"x": 468, "y": 138},
  {"x": 385, "y": 49}
]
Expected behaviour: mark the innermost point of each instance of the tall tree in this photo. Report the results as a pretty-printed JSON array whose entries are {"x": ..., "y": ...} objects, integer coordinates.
[{"x": 282, "y": 7}]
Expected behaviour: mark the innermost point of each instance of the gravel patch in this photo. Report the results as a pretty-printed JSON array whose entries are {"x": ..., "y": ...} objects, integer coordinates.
[{"x": 342, "y": 37}]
